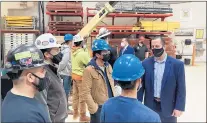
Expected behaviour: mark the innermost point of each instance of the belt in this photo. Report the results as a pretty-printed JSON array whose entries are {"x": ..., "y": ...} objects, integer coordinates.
[{"x": 157, "y": 99}]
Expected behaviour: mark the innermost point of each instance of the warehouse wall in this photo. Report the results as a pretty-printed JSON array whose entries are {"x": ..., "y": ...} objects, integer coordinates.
[
  {"x": 196, "y": 21},
  {"x": 6, "y": 7},
  {"x": 198, "y": 10}
]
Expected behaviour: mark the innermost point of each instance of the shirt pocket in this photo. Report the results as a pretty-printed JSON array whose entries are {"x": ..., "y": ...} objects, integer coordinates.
[{"x": 96, "y": 81}]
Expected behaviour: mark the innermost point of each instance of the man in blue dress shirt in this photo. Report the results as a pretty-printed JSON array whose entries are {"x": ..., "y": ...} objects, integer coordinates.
[{"x": 163, "y": 83}]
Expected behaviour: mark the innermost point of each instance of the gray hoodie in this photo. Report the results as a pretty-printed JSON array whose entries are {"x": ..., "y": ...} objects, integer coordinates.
[
  {"x": 65, "y": 67},
  {"x": 53, "y": 97}
]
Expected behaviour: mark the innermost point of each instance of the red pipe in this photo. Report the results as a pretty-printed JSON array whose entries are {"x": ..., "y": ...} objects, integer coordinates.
[
  {"x": 64, "y": 32},
  {"x": 147, "y": 33},
  {"x": 65, "y": 13},
  {"x": 135, "y": 15}
]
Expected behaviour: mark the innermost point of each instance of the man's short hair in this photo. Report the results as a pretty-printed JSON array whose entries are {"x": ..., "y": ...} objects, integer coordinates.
[
  {"x": 141, "y": 36},
  {"x": 94, "y": 52},
  {"x": 159, "y": 38},
  {"x": 14, "y": 75},
  {"x": 126, "y": 39},
  {"x": 77, "y": 43},
  {"x": 45, "y": 50},
  {"x": 129, "y": 85}
]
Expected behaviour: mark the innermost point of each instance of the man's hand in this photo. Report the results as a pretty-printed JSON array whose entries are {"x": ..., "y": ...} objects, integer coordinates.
[{"x": 176, "y": 113}]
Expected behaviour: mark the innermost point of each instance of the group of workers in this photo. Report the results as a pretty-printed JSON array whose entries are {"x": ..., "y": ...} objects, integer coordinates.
[{"x": 42, "y": 75}]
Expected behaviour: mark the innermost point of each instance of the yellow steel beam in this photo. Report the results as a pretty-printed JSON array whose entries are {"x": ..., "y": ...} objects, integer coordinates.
[{"x": 88, "y": 28}]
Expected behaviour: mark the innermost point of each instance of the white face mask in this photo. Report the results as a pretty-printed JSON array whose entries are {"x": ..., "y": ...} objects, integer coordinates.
[
  {"x": 122, "y": 44},
  {"x": 84, "y": 46}
]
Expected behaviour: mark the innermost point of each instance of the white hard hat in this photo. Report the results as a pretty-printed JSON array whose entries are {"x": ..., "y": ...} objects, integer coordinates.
[
  {"x": 77, "y": 38},
  {"x": 45, "y": 41},
  {"x": 103, "y": 32}
]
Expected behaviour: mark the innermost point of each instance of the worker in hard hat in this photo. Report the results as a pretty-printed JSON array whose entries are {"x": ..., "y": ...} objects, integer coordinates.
[
  {"x": 128, "y": 71},
  {"x": 25, "y": 66},
  {"x": 54, "y": 95},
  {"x": 98, "y": 85},
  {"x": 104, "y": 34},
  {"x": 65, "y": 66},
  {"x": 80, "y": 59}
]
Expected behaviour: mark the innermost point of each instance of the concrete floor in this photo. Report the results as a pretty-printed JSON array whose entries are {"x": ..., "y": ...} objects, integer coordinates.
[{"x": 195, "y": 98}]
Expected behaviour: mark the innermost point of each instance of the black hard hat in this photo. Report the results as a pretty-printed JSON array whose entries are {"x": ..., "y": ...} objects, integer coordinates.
[{"x": 24, "y": 56}]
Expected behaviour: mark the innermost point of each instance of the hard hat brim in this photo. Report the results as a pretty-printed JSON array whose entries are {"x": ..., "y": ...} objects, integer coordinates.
[
  {"x": 57, "y": 45},
  {"x": 24, "y": 68},
  {"x": 78, "y": 41},
  {"x": 104, "y": 35},
  {"x": 137, "y": 76}
]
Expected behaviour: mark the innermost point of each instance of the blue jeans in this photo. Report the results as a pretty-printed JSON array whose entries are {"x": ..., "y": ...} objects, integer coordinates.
[{"x": 66, "y": 84}]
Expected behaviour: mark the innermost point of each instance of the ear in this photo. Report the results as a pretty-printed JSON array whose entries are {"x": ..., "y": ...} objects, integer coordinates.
[
  {"x": 47, "y": 55},
  {"x": 138, "y": 81},
  {"x": 98, "y": 55},
  {"x": 30, "y": 77}
]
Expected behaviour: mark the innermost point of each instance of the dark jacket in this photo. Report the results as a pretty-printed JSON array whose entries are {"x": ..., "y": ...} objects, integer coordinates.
[
  {"x": 54, "y": 97},
  {"x": 113, "y": 56},
  {"x": 173, "y": 91},
  {"x": 128, "y": 50}
]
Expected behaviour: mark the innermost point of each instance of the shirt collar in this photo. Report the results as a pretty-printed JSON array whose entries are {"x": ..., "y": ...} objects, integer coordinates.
[
  {"x": 126, "y": 46},
  {"x": 163, "y": 61}
]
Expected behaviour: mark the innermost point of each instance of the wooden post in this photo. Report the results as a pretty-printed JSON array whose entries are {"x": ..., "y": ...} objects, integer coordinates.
[{"x": 193, "y": 55}]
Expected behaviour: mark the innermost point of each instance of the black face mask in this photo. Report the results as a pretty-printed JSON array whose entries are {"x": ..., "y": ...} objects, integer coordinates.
[
  {"x": 158, "y": 52},
  {"x": 57, "y": 58},
  {"x": 106, "y": 57},
  {"x": 42, "y": 83}
]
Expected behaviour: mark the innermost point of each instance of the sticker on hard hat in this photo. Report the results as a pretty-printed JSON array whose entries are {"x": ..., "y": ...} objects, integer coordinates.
[
  {"x": 51, "y": 40},
  {"x": 38, "y": 42},
  {"x": 35, "y": 56},
  {"x": 13, "y": 62},
  {"x": 26, "y": 61},
  {"x": 22, "y": 55},
  {"x": 45, "y": 43},
  {"x": 8, "y": 65}
]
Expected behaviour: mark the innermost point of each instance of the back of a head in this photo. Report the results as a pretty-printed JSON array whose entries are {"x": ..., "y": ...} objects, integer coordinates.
[
  {"x": 127, "y": 69},
  {"x": 103, "y": 33},
  {"x": 68, "y": 37}
]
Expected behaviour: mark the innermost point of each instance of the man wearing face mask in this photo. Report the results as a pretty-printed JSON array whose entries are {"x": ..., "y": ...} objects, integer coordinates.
[
  {"x": 25, "y": 67},
  {"x": 104, "y": 34},
  {"x": 163, "y": 83},
  {"x": 54, "y": 95},
  {"x": 98, "y": 85},
  {"x": 125, "y": 48},
  {"x": 140, "y": 49},
  {"x": 80, "y": 59},
  {"x": 126, "y": 107}
]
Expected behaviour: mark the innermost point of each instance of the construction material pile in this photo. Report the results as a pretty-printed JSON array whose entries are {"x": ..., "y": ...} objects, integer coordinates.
[
  {"x": 139, "y": 7},
  {"x": 20, "y": 22},
  {"x": 61, "y": 10}
]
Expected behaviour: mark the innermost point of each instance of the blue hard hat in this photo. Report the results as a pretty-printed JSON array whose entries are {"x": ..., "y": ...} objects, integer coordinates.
[
  {"x": 127, "y": 68},
  {"x": 100, "y": 44},
  {"x": 68, "y": 37}
]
